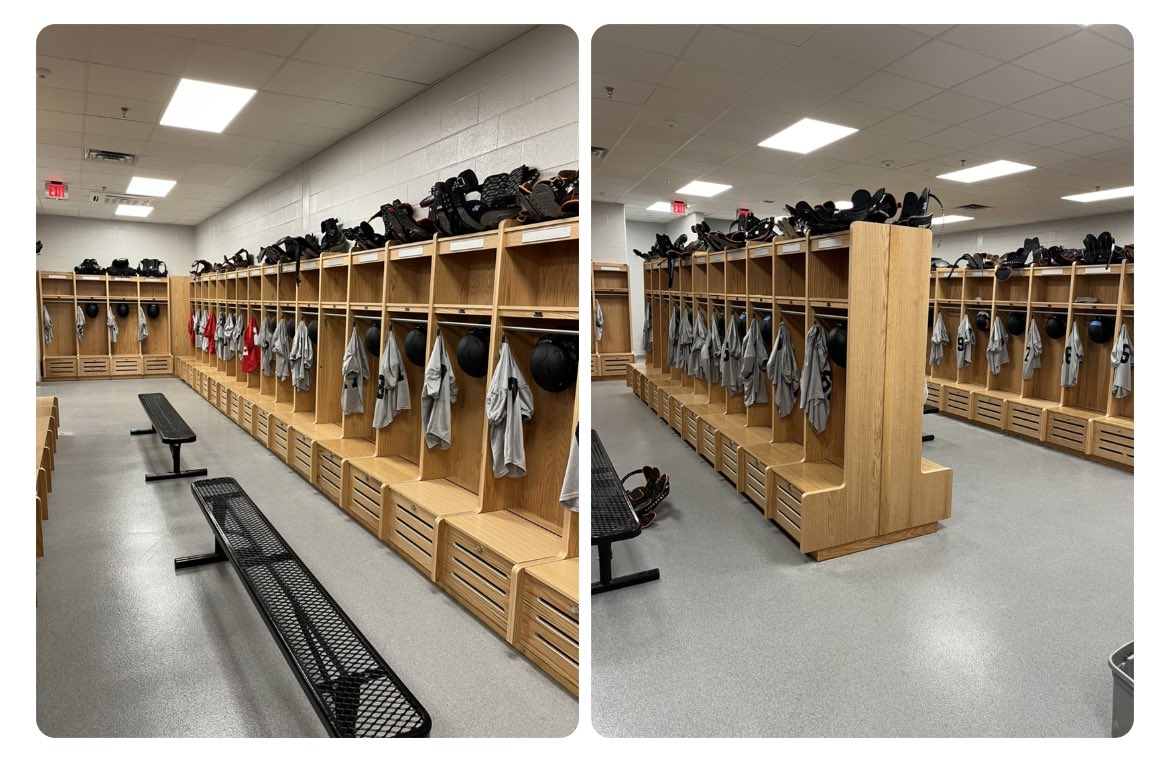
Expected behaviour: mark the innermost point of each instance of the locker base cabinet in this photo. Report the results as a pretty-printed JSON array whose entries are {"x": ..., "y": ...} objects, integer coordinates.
[{"x": 546, "y": 627}]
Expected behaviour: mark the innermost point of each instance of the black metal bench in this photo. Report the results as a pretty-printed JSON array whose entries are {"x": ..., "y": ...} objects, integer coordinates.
[
  {"x": 613, "y": 519},
  {"x": 171, "y": 429},
  {"x": 354, "y": 692}
]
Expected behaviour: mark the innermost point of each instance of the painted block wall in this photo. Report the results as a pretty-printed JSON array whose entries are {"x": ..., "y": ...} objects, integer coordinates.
[
  {"x": 516, "y": 105},
  {"x": 68, "y": 240}
]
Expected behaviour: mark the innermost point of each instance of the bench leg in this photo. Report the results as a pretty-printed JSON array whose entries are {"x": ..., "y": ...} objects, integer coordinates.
[
  {"x": 142, "y": 431},
  {"x": 176, "y": 473},
  {"x": 608, "y": 582},
  {"x": 183, "y": 562}
]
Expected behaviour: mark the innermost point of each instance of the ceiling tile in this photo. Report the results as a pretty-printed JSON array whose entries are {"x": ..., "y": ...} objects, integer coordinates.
[
  {"x": 1074, "y": 57},
  {"x": 702, "y": 79},
  {"x": 316, "y": 136},
  {"x": 106, "y": 106},
  {"x": 683, "y": 124},
  {"x": 847, "y": 112},
  {"x": 780, "y": 92},
  {"x": 63, "y": 73},
  {"x": 754, "y": 56},
  {"x": 906, "y": 126},
  {"x": 885, "y": 90},
  {"x": 613, "y": 59},
  {"x": 114, "y": 143},
  {"x": 230, "y": 66},
  {"x": 1125, "y": 132},
  {"x": 1090, "y": 145},
  {"x": 952, "y": 108},
  {"x": 131, "y": 129},
  {"x": 663, "y": 38},
  {"x": 346, "y": 117},
  {"x": 70, "y": 41},
  {"x": 1006, "y": 84},
  {"x": 1004, "y": 121},
  {"x": 60, "y": 99},
  {"x": 53, "y": 153},
  {"x": 315, "y": 81},
  {"x": 869, "y": 45},
  {"x": 677, "y": 102},
  {"x": 611, "y": 110},
  {"x": 253, "y": 177},
  {"x": 794, "y": 34},
  {"x": 941, "y": 64},
  {"x": 423, "y": 60},
  {"x": 1051, "y": 133},
  {"x": 267, "y": 105},
  {"x": 958, "y": 138},
  {"x": 928, "y": 29},
  {"x": 58, "y": 121},
  {"x": 134, "y": 83},
  {"x": 479, "y": 37},
  {"x": 1006, "y": 41},
  {"x": 183, "y": 137},
  {"x": 625, "y": 90},
  {"x": 275, "y": 163},
  {"x": 277, "y": 39},
  {"x": 259, "y": 128},
  {"x": 139, "y": 49},
  {"x": 1007, "y": 148},
  {"x": 377, "y": 92},
  {"x": 360, "y": 48},
  {"x": 815, "y": 71},
  {"x": 1116, "y": 83},
  {"x": 1061, "y": 102},
  {"x": 243, "y": 144},
  {"x": 1115, "y": 32},
  {"x": 1116, "y": 115}
]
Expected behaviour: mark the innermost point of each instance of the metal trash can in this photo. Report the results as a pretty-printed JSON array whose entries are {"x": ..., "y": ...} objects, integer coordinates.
[{"x": 1121, "y": 664}]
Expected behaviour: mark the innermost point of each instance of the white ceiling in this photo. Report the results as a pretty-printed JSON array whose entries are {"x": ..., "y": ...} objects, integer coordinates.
[
  {"x": 692, "y": 102},
  {"x": 315, "y": 85}
]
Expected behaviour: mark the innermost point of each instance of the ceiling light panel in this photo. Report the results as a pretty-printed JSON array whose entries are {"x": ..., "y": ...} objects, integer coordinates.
[
  {"x": 126, "y": 210},
  {"x": 986, "y": 171},
  {"x": 1100, "y": 195},
  {"x": 152, "y": 188},
  {"x": 205, "y": 106},
  {"x": 663, "y": 206},
  {"x": 950, "y": 219},
  {"x": 807, "y": 135},
  {"x": 703, "y": 189}
]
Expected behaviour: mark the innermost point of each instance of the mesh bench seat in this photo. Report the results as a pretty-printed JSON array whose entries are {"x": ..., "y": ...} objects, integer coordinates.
[
  {"x": 171, "y": 429},
  {"x": 612, "y": 519},
  {"x": 354, "y": 692}
]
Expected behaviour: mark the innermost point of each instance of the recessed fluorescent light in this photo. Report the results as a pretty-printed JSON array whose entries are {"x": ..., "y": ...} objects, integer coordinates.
[
  {"x": 205, "y": 106},
  {"x": 1100, "y": 195},
  {"x": 126, "y": 210},
  {"x": 951, "y": 219},
  {"x": 703, "y": 189},
  {"x": 986, "y": 171},
  {"x": 663, "y": 206},
  {"x": 807, "y": 135},
  {"x": 843, "y": 204},
  {"x": 152, "y": 188}
]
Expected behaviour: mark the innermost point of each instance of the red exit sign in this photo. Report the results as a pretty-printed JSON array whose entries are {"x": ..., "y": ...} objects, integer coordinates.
[
  {"x": 678, "y": 207},
  {"x": 57, "y": 191}
]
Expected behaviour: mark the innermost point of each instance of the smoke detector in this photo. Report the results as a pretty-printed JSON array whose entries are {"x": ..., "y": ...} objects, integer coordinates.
[{"x": 599, "y": 152}]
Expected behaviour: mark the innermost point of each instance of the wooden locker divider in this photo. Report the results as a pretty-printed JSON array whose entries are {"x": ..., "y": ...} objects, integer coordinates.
[{"x": 611, "y": 290}]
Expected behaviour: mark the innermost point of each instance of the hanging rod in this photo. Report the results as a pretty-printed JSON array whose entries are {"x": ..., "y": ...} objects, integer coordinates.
[
  {"x": 533, "y": 329},
  {"x": 817, "y": 315},
  {"x": 407, "y": 320}
]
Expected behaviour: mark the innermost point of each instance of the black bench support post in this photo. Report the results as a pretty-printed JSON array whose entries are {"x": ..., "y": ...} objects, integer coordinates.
[
  {"x": 142, "y": 431},
  {"x": 183, "y": 562},
  {"x": 608, "y": 582}
]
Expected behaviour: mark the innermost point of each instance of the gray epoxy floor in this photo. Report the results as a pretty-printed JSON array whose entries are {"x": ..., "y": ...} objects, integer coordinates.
[
  {"x": 127, "y": 647},
  {"x": 1000, "y": 624}
]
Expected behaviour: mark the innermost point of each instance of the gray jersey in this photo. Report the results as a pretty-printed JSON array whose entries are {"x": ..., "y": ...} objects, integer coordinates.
[
  {"x": 816, "y": 379},
  {"x": 142, "y": 331},
  {"x": 1033, "y": 347},
  {"x": 647, "y": 331},
  {"x": 225, "y": 335},
  {"x": 683, "y": 343},
  {"x": 997, "y": 347},
  {"x": 1122, "y": 360},
  {"x": 672, "y": 335},
  {"x": 964, "y": 342},
  {"x": 355, "y": 370},
  {"x": 753, "y": 366},
  {"x": 280, "y": 350},
  {"x": 1070, "y": 370},
  {"x": 220, "y": 327},
  {"x": 80, "y": 321},
  {"x": 598, "y": 321},
  {"x": 570, "y": 496},
  {"x": 938, "y": 340},
  {"x": 714, "y": 351},
  {"x": 111, "y": 324},
  {"x": 698, "y": 340},
  {"x": 509, "y": 404},
  {"x": 46, "y": 325},
  {"x": 393, "y": 389},
  {"x": 300, "y": 358},
  {"x": 264, "y": 342},
  {"x": 782, "y": 371},
  {"x": 729, "y": 367},
  {"x": 439, "y": 392},
  {"x": 238, "y": 336}
]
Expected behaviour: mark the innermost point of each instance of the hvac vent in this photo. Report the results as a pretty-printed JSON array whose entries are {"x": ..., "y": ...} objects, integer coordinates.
[
  {"x": 118, "y": 200},
  {"x": 972, "y": 207},
  {"x": 599, "y": 152},
  {"x": 109, "y": 156}
]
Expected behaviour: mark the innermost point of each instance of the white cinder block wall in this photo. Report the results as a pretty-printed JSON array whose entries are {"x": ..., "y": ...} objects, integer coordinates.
[
  {"x": 516, "y": 105},
  {"x": 68, "y": 240}
]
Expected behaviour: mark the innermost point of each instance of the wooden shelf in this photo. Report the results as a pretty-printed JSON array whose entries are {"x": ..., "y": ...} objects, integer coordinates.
[
  {"x": 389, "y": 470},
  {"x": 440, "y": 496},
  {"x": 770, "y": 454},
  {"x": 814, "y": 476},
  {"x": 349, "y": 448},
  {"x": 509, "y": 535}
]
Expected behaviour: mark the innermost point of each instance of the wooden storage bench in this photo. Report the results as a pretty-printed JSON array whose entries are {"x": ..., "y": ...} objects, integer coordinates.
[
  {"x": 547, "y": 624},
  {"x": 414, "y": 510}
]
